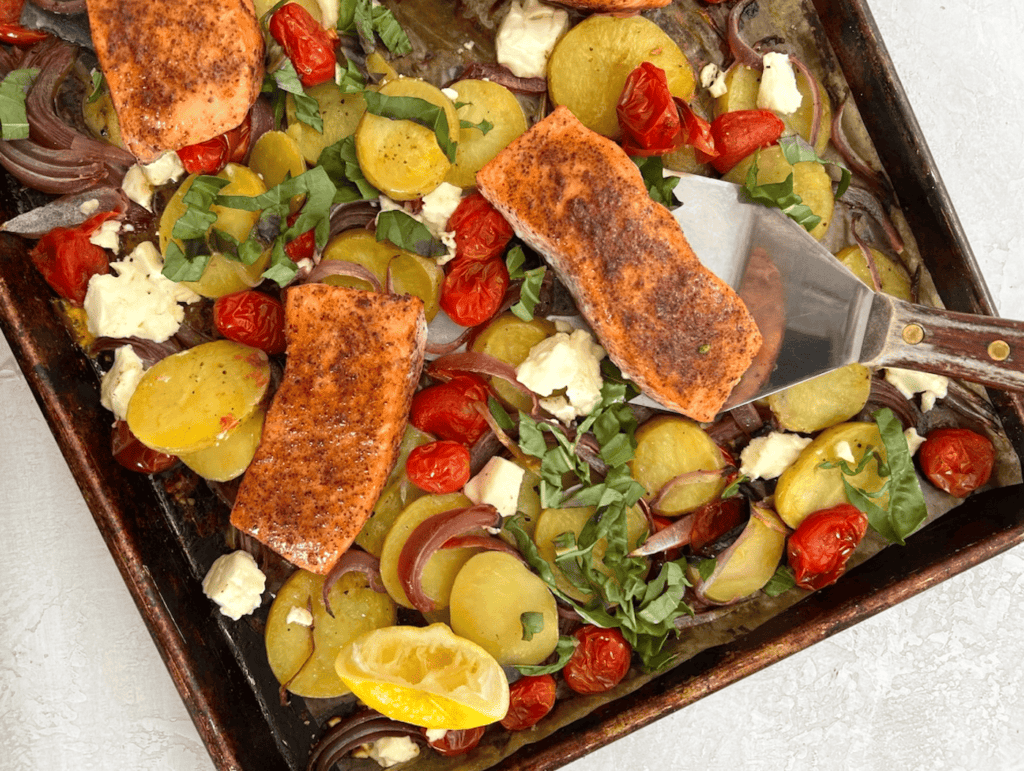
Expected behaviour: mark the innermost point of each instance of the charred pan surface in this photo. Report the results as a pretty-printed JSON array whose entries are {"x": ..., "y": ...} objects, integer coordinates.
[
  {"x": 179, "y": 73},
  {"x": 671, "y": 325},
  {"x": 332, "y": 433}
]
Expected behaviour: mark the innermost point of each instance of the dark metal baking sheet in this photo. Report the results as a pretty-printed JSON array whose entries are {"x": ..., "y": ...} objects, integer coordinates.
[{"x": 224, "y": 680}]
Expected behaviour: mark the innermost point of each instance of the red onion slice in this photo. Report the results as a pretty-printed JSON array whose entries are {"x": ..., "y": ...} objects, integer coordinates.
[
  {"x": 428, "y": 537},
  {"x": 327, "y": 268},
  {"x": 357, "y": 560},
  {"x": 503, "y": 76},
  {"x": 743, "y": 53},
  {"x": 362, "y": 728},
  {"x": 812, "y": 83},
  {"x": 672, "y": 537},
  {"x": 484, "y": 542},
  {"x": 688, "y": 478},
  {"x": 480, "y": 364}
]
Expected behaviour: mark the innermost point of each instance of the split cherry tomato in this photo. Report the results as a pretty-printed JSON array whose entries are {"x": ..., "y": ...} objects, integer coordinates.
[
  {"x": 648, "y": 114},
  {"x": 447, "y": 410},
  {"x": 600, "y": 661},
  {"x": 820, "y": 547},
  {"x": 67, "y": 259},
  {"x": 251, "y": 318},
  {"x": 11, "y": 31},
  {"x": 481, "y": 233},
  {"x": 696, "y": 130},
  {"x": 738, "y": 134},
  {"x": 716, "y": 518},
  {"x": 214, "y": 154},
  {"x": 456, "y": 742},
  {"x": 439, "y": 467},
  {"x": 134, "y": 455},
  {"x": 303, "y": 246},
  {"x": 530, "y": 699},
  {"x": 473, "y": 291},
  {"x": 307, "y": 44},
  {"x": 957, "y": 460}
]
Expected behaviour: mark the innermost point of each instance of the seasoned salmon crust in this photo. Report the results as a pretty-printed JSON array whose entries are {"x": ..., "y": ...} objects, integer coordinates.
[
  {"x": 332, "y": 433},
  {"x": 672, "y": 326},
  {"x": 179, "y": 72}
]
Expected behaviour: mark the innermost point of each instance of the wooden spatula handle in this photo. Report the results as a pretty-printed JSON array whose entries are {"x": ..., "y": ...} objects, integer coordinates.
[{"x": 981, "y": 349}]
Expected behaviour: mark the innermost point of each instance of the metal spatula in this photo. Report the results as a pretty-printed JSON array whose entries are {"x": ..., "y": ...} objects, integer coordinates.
[{"x": 815, "y": 315}]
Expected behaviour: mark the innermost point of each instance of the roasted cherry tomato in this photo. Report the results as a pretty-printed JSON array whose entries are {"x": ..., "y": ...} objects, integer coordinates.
[
  {"x": 448, "y": 410},
  {"x": 11, "y": 31},
  {"x": 957, "y": 460},
  {"x": 648, "y": 114},
  {"x": 214, "y": 154},
  {"x": 307, "y": 44},
  {"x": 737, "y": 134},
  {"x": 251, "y": 318},
  {"x": 530, "y": 699},
  {"x": 303, "y": 246},
  {"x": 481, "y": 233},
  {"x": 439, "y": 467},
  {"x": 696, "y": 130},
  {"x": 456, "y": 742},
  {"x": 473, "y": 291},
  {"x": 820, "y": 547},
  {"x": 67, "y": 259},
  {"x": 134, "y": 455},
  {"x": 600, "y": 661},
  {"x": 716, "y": 518}
]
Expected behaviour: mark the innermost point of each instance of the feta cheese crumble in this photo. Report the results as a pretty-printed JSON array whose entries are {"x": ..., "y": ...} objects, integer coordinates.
[
  {"x": 300, "y": 616},
  {"x": 389, "y": 751},
  {"x": 140, "y": 181},
  {"x": 766, "y": 457},
  {"x": 909, "y": 382},
  {"x": 778, "y": 89},
  {"x": 713, "y": 79},
  {"x": 437, "y": 208},
  {"x": 569, "y": 361},
  {"x": 120, "y": 381},
  {"x": 105, "y": 236},
  {"x": 527, "y": 36},
  {"x": 498, "y": 484},
  {"x": 137, "y": 300},
  {"x": 235, "y": 583}
]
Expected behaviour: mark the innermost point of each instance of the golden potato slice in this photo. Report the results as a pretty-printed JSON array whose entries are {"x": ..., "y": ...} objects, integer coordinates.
[
  {"x": 190, "y": 400},
  {"x": 823, "y": 401},
  {"x": 229, "y": 457},
  {"x": 751, "y": 561},
  {"x": 590, "y": 64},
  {"x": 892, "y": 276},
  {"x": 303, "y": 656},
  {"x": 510, "y": 339},
  {"x": 482, "y": 100},
  {"x": 339, "y": 112}
]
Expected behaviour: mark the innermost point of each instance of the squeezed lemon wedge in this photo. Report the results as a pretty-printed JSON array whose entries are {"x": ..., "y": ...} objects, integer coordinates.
[{"x": 428, "y": 677}]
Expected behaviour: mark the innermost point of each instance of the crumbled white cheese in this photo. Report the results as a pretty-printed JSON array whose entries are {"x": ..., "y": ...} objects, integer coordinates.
[
  {"x": 235, "y": 583},
  {"x": 105, "y": 236},
  {"x": 569, "y": 361},
  {"x": 909, "y": 382},
  {"x": 137, "y": 300},
  {"x": 137, "y": 187},
  {"x": 766, "y": 457},
  {"x": 498, "y": 484},
  {"x": 389, "y": 750},
  {"x": 300, "y": 616},
  {"x": 436, "y": 210},
  {"x": 435, "y": 734},
  {"x": 845, "y": 452},
  {"x": 90, "y": 207},
  {"x": 121, "y": 380},
  {"x": 451, "y": 93},
  {"x": 914, "y": 440},
  {"x": 778, "y": 89},
  {"x": 140, "y": 181},
  {"x": 527, "y": 36},
  {"x": 713, "y": 79}
]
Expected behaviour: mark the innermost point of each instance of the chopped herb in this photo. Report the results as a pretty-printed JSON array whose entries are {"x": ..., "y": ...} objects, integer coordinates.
[
  {"x": 363, "y": 18},
  {"x": 408, "y": 233},
  {"x": 796, "y": 150},
  {"x": 483, "y": 126},
  {"x": 704, "y": 348},
  {"x": 97, "y": 85},
  {"x": 418, "y": 111},
  {"x": 341, "y": 164},
  {"x": 706, "y": 568},
  {"x": 307, "y": 109},
  {"x": 501, "y": 417},
  {"x": 533, "y": 623},
  {"x": 782, "y": 581},
  {"x": 352, "y": 80},
  {"x": 529, "y": 292},
  {"x": 780, "y": 195},
  {"x": 564, "y": 649},
  {"x": 660, "y": 187},
  {"x": 733, "y": 488},
  {"x": 13, "y": 91}
]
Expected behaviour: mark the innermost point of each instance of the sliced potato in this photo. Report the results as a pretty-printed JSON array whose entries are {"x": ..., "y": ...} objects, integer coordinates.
[
  {"x": 510, "y": 339},
  {"x": 670, "y": 445},
  {"x": 747, "y": 565},
  {"x": 892, "y": 276},
  {"x": 482, "y": 101},
  {"x": 303, "y": 656},
  {"x": 823, "y": 401},
  {"x": 229, "y": 457},
  {"x": 400, "y": 158},
  {"x": 275, "y": 157},
  {"x": 590, "y": 64},
  {"x": 190, "y": 400},
  {"x": 339, "y": 112},
  {"x": 441, "y": 569},
  {"x": 410, "y": 273},
  {"x": 806, "y": 487}
]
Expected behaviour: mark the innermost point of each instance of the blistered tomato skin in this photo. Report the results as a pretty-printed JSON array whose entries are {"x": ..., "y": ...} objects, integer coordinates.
[
  {"x": 819, "y": 549},
  {"x": 600, "y": 661},
  {"x": 473, "y": 290},
  {"x": 481, "y": 233},
  {"x": 448, "y": 410},
  {"x": 439, "y": 467},
  {"x": 306, "y": 43},
  {"x": 134, "y": 455},
  {"x": 457, "y": 742},
  {"x": 251, "y": 318},
  {"x": 67, "y": 259},
  {"x": 530, "y": 699},
  {"x": 647, "y": 113},
  {"x": 214, "y": 154},
  {"x": 737, "y": 134},
  {"x": 957, "y": 460},
  {"x": 303, "y": 246}
]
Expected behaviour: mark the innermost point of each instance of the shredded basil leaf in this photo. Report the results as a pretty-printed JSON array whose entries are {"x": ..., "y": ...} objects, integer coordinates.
[
  {"x": 363, "y": 18},
  {"x": 98, "y": 82},
  {"x": 659, "y": 186},
  {"x": 307, "y": 109},
  {"x": 408, "y": 233},
  {"x": 797, "y": 150},
  {"x": 418, "y": 111},
  {"x": 529, "y": 292},
  {"x": 341, "y": 164},
  {"x": 501, "y": 417},
  {"x": 564, "y": 649},
  {"x": 532, "y": 622},
  {"x": 483, "y": 126},
  {"x": 780, "y": 195},
  {"x": 13, "y": 91},
  {"x": 782, "y": 581},
  {"x": 706, "y": 568},
  {"x": 352, "y": 80}
]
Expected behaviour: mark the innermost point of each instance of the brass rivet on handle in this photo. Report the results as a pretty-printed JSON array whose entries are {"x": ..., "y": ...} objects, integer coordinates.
[
  {"x": 999, "y": 350},
  {"x": 913, "y": 334}
]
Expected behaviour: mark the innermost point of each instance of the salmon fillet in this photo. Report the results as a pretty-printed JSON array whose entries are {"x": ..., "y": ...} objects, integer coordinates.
[
  {"x": 332, "y": 433},
  {"x": 179, "y": 72},
  {"x": 672, "y": 326}
]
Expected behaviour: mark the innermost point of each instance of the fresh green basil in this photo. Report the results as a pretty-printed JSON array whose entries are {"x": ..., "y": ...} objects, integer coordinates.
[
  {"x": 13, "y": 91},
  {"x": 408, "y": 233},
  {"x": 418, "y": 111}
]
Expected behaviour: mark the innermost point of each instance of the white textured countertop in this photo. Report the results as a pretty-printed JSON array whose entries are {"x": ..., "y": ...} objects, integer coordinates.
[{"x": 935, "y": 683}]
